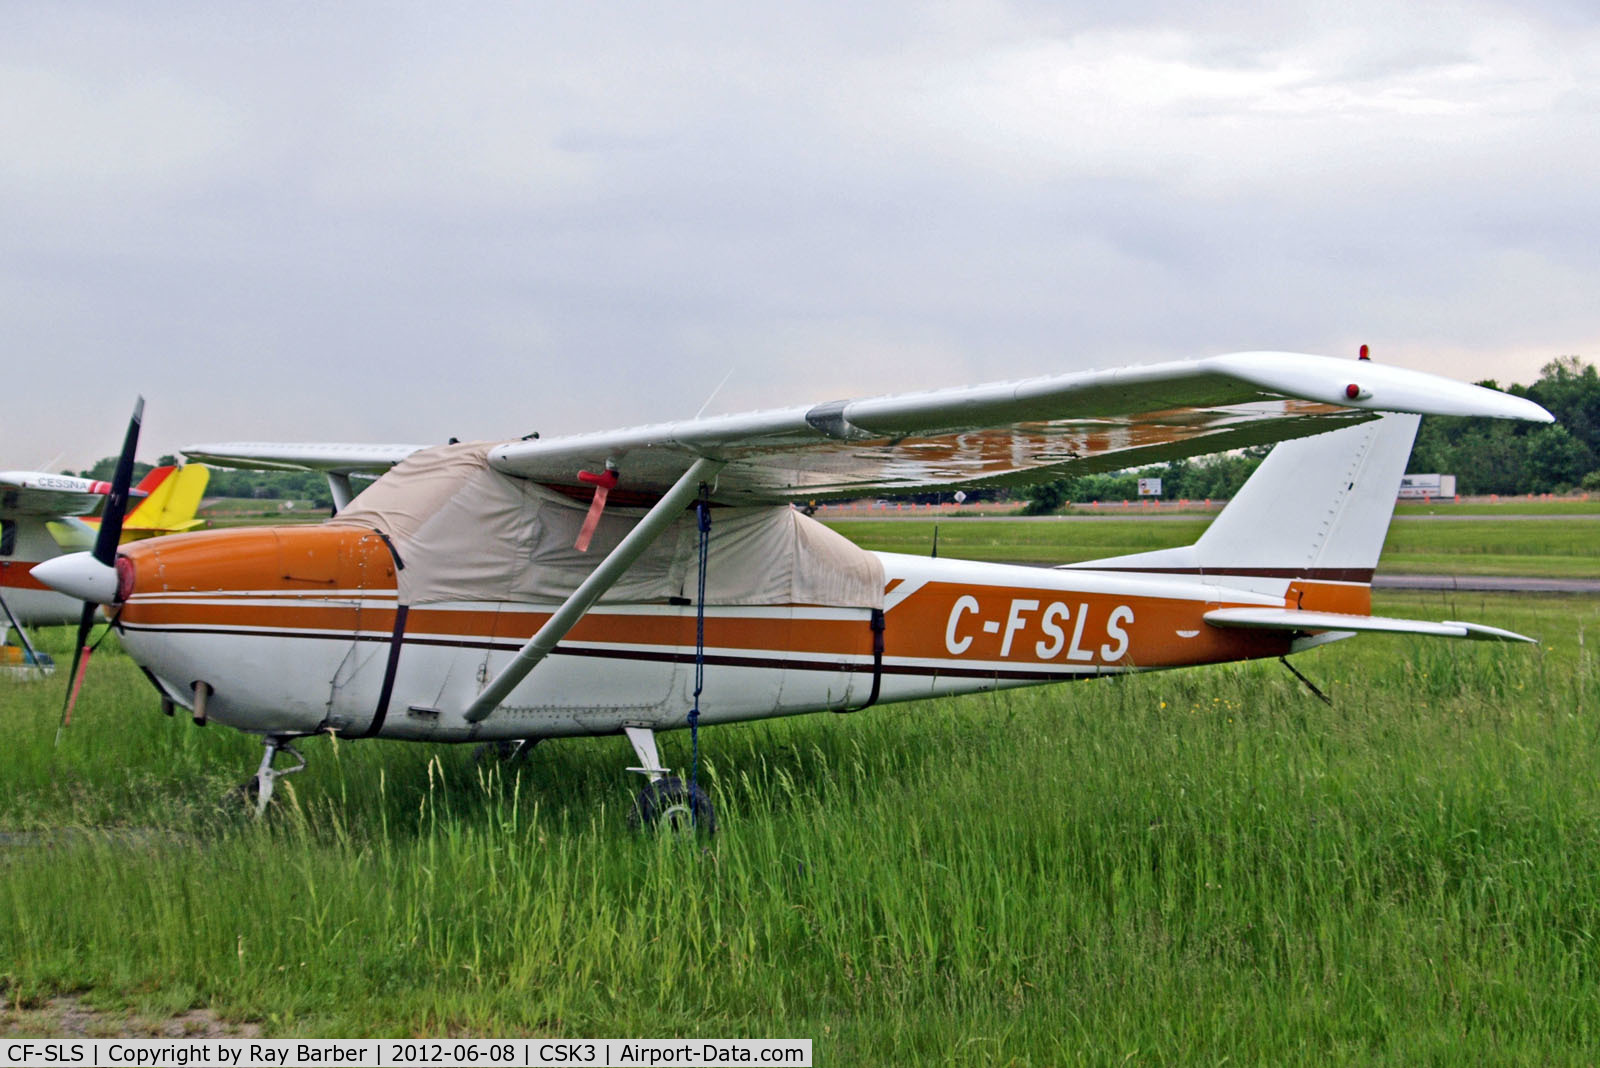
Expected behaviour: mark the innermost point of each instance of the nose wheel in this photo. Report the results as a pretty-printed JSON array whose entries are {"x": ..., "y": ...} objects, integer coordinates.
[{"x": 259, "y": 788}]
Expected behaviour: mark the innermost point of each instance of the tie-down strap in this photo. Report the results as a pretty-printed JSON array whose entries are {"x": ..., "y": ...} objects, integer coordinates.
[{"x": 877, "y": 663}]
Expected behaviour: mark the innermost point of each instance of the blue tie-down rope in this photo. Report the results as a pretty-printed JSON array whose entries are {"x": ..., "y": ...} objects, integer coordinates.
[{"x": 703, "y": 507}]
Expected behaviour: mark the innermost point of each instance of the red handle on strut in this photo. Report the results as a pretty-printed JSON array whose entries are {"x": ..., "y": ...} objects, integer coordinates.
[{"x": 603, "y": 484}]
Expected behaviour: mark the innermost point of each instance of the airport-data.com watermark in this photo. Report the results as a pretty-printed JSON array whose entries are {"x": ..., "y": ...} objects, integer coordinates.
[{"x": 408, "y": 1053}]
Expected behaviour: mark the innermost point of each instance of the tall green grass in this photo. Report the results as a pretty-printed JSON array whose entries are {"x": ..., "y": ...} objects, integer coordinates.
[{"x": 1194, "y": 866}]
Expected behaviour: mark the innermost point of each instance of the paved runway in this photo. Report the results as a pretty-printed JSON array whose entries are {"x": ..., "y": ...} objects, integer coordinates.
[{"x": 1486, "y": 583}]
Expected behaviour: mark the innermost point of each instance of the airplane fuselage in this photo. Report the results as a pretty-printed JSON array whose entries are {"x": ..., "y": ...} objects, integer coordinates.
[
  {"x": 27, "y": 540},
  {"x": 297, "y": 630}
]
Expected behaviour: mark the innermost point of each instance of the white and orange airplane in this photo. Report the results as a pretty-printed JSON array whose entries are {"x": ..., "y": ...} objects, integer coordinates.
[
  {"x": 43, "y": 516},
  {"x": 654, "y": 578}
]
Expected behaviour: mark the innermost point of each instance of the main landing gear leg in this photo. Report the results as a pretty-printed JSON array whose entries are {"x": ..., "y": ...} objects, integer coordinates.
[
  {"x": 266, "y": 775},
  {"x": 666, "y": 801}
]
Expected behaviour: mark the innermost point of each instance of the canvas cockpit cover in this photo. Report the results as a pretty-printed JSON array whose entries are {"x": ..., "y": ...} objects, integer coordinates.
[{"x": 466, "y": 532}]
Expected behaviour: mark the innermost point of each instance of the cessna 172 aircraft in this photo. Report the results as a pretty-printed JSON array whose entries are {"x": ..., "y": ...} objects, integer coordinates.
[
  {"x": 658, "y": 577},
  {"x": 40, "y": 519}
]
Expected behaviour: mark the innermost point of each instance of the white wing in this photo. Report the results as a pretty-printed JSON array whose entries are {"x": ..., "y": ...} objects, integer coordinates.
[
  {"x": 1011, "y": 432},
  {"x": 331, "y": 457},
  {"x": 997, "y": 434}
]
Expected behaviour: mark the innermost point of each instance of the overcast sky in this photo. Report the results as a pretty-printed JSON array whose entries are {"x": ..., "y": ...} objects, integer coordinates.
[{"x": 405, "y": 222}]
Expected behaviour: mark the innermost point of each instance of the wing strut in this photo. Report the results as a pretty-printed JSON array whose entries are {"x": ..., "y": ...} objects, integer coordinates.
[
  {"x": 339, "y": 487},
  {"x": 601, "y": 579},
  {"x": 22, "y": 636}
]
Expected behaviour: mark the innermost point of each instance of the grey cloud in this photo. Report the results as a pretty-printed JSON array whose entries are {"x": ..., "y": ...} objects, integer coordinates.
[{"x": 390, "y": 223}]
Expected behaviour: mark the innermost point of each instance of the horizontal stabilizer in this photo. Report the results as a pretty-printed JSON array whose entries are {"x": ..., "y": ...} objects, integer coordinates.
[{"x": 1293, "y": 619}]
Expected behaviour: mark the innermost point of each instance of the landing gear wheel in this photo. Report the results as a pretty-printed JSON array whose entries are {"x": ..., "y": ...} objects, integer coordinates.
[{"x": 670, "y": 804}]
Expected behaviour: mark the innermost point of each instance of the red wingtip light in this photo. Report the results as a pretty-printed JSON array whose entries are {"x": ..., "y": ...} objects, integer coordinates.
[
  {"x": 1352, "y": 391},
  {"x": 1366, "y": 354}
]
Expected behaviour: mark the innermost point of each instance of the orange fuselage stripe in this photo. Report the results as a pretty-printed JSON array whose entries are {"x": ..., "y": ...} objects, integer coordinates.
[
  {"x": 948, "y": 622},
  {"x": 15, "y": 574}
]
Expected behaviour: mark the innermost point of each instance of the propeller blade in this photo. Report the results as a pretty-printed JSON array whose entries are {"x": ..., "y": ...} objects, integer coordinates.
[
  {"x": 105, "y": 552},
  {"x": 105, "y": 546},
  {"x": 80, "y": 664}
]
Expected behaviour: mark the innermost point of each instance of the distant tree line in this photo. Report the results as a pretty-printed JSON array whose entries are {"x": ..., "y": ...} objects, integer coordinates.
[
  {"x": 259, "y": 485},
  {"x": 1209, "y": 477},
  {"x": 271, "y": 486},
  {"x": 1497, "y": 456},
  {"x": 1485, "y": 455}
]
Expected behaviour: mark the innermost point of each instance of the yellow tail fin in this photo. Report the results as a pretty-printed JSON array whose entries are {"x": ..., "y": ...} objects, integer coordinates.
[{"x": 171, "y": 505}]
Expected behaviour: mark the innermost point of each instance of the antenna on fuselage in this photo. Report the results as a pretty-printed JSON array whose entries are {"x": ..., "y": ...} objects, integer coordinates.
[{"x": 714, "y": 393}]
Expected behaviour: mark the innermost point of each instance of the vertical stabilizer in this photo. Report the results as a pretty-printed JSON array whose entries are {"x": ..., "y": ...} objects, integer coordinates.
[
  {"x": 1317, "y": 509},
  {"x": 151, "y": 495},
  {"x": 171, "y": 504},
  {"x": 1321, "y": 503}
]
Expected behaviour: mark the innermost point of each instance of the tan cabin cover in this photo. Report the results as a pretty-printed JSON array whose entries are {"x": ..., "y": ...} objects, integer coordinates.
[{"x": 466, "y": 532}]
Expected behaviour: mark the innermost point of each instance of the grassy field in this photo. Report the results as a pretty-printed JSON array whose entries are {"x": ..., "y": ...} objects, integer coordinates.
[
  {"x": 1022, "y": 542},
  {"x": 1585, "y": 504},
  {"x": 248, "y": 512},
  {"x": 1557, "y": 548},
  {"x": 1191, "y": 867},
  {"x": 1547, "y": 547}
]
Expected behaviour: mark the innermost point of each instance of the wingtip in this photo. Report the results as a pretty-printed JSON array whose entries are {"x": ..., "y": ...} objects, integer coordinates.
[
  {"x": 1511, "y": 406},
  {"x": 1376, "y": 387},
  {"x": 1485, "y": 633}
]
